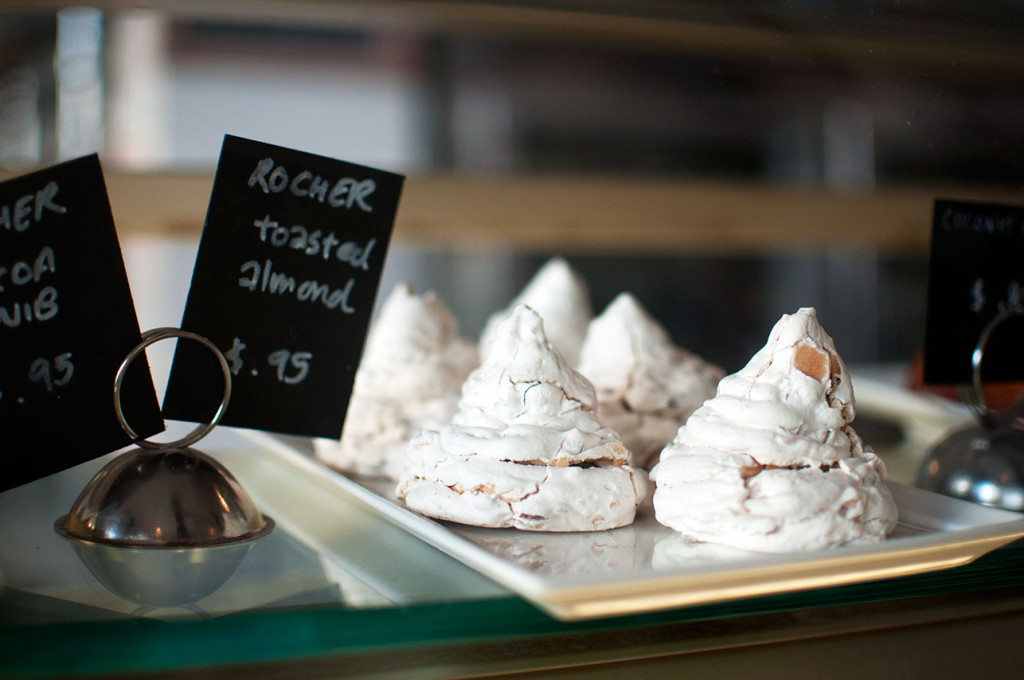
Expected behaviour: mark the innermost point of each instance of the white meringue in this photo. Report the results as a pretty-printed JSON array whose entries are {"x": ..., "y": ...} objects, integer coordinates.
[
  {"x": 771, "y": 463},
  {"x": 560, "y": 296},
  {"x": 646, "y": 385},
  {"x": 525, "y": 449},
  {"x": 409, "y": 378}
]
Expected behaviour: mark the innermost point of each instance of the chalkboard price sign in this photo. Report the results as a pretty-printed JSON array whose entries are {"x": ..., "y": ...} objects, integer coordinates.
[
  {"x": 976, "y": 271},
  {"x": 67, "y": 321},
  {"x": 284, "y": 284}
]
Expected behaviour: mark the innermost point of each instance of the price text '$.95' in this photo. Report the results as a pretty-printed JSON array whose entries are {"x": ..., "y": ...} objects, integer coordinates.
[
  {"x": 49, "y": 374},
  {"x": 290, "y": 367}
]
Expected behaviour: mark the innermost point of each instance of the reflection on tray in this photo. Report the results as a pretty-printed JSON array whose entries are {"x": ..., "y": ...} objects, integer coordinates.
[
  {"x": 280, "y": 572},
  {"x": 599, "y": 552}
]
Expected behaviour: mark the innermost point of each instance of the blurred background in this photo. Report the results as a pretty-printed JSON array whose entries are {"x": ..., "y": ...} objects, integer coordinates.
[{"x": 726, "y": 162}]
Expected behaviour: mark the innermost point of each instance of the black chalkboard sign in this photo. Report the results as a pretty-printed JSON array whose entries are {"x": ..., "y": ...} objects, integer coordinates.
[
  {"x": 976, "y": 270},
  {"x": 284, "y": 284},
  {"x": 67, "y": 321}
]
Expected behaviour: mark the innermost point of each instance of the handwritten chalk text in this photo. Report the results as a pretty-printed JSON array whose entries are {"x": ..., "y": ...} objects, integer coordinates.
[
  {"x": 30, "y": 208},
  {"x": 42, "y": 308},
  {"x": 261, "y": 277},
  {"x": 22, "y": 273},
  {"x": 344, "y": 193},
  {"x": 315, "y": 243},
  {"x": 954, "y": 219},
  {"x": 41, "y": 305}
]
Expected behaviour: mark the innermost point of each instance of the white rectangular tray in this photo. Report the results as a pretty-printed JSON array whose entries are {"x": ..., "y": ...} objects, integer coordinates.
[{"x": 647, "y": 567}]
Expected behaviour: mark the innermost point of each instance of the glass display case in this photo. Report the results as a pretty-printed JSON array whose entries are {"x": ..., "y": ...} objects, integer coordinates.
[{"x": 726, "y": 163}]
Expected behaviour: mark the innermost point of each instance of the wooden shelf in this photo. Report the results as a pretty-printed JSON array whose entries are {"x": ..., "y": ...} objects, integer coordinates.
[
  {"x": 572, "y": 214},
  {"x": 600, "y": 214}
]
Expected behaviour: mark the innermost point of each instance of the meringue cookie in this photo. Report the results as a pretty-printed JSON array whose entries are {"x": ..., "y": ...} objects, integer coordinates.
[
  {"x": 525, "y": 449},
  {"x": 409, "y": 378},
  {"x": 646, "y": 385},
  {"x": 560, "y": 296},
  {"x": 771, "y": 463}
]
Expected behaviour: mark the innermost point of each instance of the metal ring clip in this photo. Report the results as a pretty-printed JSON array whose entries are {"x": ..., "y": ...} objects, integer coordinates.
[
  {"x": 977, "y": 401},
  {"x": 153, "y": 336}
]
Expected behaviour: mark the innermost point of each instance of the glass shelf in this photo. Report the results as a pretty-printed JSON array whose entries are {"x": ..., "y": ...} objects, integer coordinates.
[{"x": 337, "y": 581}]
